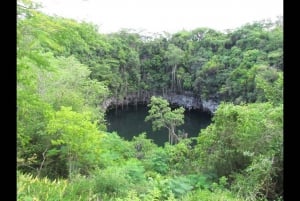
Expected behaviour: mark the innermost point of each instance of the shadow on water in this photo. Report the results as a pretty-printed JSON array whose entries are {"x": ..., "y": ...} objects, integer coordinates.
[{"x": 130, "y": 122}]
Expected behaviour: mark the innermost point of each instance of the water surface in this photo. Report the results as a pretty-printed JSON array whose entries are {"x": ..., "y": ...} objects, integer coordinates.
[{"x": 130, "y": 122}]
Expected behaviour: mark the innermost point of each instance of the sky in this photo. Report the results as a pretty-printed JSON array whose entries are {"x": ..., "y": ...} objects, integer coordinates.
[{"x": 156, "y": 16}]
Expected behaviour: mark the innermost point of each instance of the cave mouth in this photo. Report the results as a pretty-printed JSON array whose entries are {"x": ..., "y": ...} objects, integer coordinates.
[{"x": 129, "y": 121}]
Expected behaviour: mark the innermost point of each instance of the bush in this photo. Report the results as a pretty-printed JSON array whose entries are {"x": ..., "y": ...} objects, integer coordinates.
[
  {"x": 157, "y": 161},
  {"x": 110, "y": 181},
  {"x": 257, "y": 181},
  {"x": 118, "y": 180},
  {"x": 80, "y": 188},
  {"x": 206, "y": 195}
]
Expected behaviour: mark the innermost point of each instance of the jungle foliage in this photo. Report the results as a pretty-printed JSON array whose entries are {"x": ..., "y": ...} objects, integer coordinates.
[{"x": 66, "y": 69}]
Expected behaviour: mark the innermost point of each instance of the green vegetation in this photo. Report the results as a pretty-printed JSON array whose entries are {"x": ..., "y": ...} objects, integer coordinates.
[
  {"x": 67, "y": 69},
  {"x": 162, "y": 116}
]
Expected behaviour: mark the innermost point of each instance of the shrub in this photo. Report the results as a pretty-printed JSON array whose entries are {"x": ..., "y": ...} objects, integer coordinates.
[
  {"x": 206, "y": 195},
  {"x": 111, "y": 181}
]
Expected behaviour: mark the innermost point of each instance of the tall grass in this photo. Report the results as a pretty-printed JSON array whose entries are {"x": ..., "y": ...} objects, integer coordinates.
[{"x": 31, "y": 188}]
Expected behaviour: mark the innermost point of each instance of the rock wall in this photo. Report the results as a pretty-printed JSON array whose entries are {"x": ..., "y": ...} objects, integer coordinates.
[
  {"x": 187, "y": 100},
  {"x": 210, "y": 105}
]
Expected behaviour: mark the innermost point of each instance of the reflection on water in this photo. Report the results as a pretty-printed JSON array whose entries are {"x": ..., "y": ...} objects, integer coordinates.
[{"x": 130, "y": 122}]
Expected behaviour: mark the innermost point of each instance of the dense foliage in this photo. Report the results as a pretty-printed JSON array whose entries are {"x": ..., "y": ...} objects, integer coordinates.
[
  {"x": 66, "y": 69},
  {"x": 162, "y": 115}
]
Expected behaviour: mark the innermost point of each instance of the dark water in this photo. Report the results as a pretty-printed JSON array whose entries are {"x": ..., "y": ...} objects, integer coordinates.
[{"x": 130, "y": 122}]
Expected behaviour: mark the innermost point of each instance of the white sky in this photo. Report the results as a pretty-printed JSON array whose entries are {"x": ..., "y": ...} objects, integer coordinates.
[{"x": 165, "y": 15}]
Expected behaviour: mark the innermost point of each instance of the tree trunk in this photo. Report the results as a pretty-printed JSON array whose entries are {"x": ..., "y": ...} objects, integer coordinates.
[
  {"x": 42, "y": 164},
  {"x": 179, "y": 84},
  {"x": 174, "y": 137},
  {"x": 173, "y": 83}
]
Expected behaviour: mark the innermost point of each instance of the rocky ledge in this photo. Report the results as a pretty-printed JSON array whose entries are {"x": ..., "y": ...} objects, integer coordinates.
[
  {"x": 210, "y": 105},
  {"x": 187, "y": 100}
]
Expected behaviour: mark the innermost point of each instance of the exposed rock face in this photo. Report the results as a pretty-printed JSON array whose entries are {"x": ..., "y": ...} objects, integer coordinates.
[
  {"x": 108, "y": 102},
  {"x": 187, "y": 100},
  {"x": 210, "y": 105}
]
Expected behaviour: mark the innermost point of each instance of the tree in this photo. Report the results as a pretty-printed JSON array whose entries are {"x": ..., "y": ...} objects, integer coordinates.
[
  {"x": 161, "y": 115},
  {"x": 76, "y": 138},
  {"x": 270, "y": 81},
  {"x": 174, "y": 56},
  {"x": 245, "y": 142}
]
